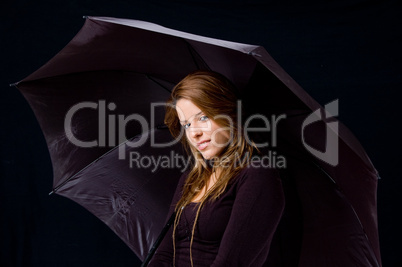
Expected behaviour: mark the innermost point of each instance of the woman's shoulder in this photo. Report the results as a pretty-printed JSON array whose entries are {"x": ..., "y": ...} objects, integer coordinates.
[
  {"x": 183, "y": 178},
  {"x": 258, "y": 173},
  {"x": 257, "y": 180}
]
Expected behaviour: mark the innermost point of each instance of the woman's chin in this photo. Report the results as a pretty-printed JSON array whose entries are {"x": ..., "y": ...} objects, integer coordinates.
[
  {"x": 211, "y": 153},
  {"x": 206, "y": 157}
]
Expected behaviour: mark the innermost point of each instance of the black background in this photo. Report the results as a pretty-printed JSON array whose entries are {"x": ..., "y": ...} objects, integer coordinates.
[{"x": 346, "y": 50}]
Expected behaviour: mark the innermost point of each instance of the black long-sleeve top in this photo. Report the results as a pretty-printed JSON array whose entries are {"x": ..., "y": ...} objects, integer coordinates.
[{"x": 234, "y": 230}]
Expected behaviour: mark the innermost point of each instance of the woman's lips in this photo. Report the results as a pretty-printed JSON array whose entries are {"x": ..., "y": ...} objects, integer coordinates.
[{"x": 202, "y": 145}]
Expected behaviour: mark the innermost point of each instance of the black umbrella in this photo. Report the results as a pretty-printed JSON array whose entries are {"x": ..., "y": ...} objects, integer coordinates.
[{"x": 99, "y": 104}]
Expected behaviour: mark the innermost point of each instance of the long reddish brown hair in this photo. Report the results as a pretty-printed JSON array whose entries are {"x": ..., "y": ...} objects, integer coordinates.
[{"x": 218, "y": 99}]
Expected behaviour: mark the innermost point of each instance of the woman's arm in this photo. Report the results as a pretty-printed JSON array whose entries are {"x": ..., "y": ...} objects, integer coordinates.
[
  {"x": 164, "y": 254},
  {"x": 255, "y": 215}
]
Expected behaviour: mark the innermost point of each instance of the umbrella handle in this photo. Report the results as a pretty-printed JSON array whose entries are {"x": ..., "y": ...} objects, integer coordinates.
[{"x": 159, "y": 240}]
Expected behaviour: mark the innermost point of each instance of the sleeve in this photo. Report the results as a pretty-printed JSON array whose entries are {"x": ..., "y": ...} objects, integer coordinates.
[
  {"x": 163, "y": 256},
  {"x": 256, "y": 213}
]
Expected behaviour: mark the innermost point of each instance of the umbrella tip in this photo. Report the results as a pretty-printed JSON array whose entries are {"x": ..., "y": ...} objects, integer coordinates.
[
  {"x": 51, "y": 193},
  {"x": 13, "y": 84},
  {"x": 254, "y": 54},
  {"x": 85, "y": 17}
]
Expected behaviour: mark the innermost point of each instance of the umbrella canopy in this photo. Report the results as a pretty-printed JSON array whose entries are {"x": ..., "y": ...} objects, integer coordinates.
[{"x": 99, "y": 104}]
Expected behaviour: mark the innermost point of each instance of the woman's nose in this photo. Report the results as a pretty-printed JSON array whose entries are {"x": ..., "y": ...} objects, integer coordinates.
[{"x": 195, "y": 131}]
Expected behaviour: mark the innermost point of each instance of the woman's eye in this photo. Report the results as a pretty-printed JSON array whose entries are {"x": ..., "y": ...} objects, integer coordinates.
[{"x": 203, "y": 118}]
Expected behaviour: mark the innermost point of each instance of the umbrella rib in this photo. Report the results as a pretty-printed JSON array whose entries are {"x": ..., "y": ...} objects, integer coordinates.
[
  {"x": 192, "y": 52},
  {"x": 83, "y": 169},
  {"x": 334, "y": 182},
  {"x": 353, "y": 209},
  {"x": 93, "y": 162},
  {"x": 158, "y": 83},
  {"x": 89, "y": 71}
]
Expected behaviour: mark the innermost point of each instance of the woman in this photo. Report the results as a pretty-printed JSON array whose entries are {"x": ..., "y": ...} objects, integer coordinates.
[{"x": 227, "y": 207}]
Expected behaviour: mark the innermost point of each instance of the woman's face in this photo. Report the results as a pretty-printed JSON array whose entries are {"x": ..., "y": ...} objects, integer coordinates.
[{"x": 202, "y": 132}]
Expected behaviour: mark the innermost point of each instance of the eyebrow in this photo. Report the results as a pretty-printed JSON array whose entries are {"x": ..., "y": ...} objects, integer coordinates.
[{"x": 195, "y": 115}]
